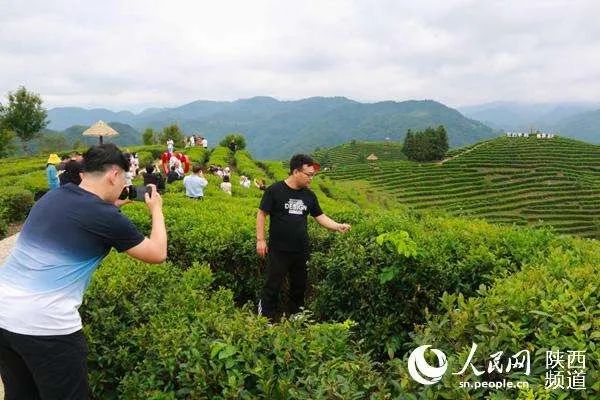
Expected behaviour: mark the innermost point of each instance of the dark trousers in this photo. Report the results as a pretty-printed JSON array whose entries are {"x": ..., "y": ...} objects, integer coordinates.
[
  {"x": 280, "y": 264},
  {"x": 43, "y": 367}
]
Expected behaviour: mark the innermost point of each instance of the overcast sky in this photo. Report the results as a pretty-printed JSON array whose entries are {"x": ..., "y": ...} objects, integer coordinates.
[{"x": 138, "y": 53}]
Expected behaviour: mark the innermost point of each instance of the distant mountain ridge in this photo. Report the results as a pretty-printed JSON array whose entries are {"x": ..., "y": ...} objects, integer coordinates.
[
  {"x": 576, "y": 120},
  {"x": 277, "y": 129}
]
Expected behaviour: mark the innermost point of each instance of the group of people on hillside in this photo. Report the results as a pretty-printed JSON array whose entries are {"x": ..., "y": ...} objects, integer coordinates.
[
  {"x": 68, "y": 169},
  {"x": 196, "y": 141},
  {"x": 60, "y": 171},
  {"x": 196, "y": 182},
  {"x": 71, "y": 229}
]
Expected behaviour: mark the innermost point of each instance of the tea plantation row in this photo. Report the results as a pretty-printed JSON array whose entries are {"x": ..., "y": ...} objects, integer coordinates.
[
  {"x": 399, "y": 279},
  {"x": 525, "y": 181}
]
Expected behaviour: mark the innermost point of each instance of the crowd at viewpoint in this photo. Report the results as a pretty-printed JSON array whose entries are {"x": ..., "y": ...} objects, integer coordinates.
[
  {"x": 196, "y": 141},
  {"x": 59, "y": 172},
  {"x": 74, "y": 226}
]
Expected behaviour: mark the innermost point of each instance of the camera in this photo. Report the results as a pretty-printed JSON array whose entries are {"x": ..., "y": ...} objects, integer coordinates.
[{"x": 135, "y": 193}]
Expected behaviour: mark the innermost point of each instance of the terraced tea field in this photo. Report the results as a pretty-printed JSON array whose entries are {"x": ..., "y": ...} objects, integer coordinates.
[
  {"x": 507, "y": 180},
  {"x": 357, "y": 152}
]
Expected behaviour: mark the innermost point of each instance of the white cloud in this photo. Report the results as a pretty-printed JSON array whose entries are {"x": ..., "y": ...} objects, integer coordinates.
[{"x": 139, "y": 53}]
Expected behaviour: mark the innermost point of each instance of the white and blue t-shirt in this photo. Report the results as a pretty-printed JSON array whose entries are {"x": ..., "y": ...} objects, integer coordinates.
[{"x": 66, "y": 235}]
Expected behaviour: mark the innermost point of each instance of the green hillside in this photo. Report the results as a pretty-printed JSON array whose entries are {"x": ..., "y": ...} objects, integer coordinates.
[
  {"x": 128, "y": 136},
  {"x": 357, "y": 152},
  {"x": 278, "y": 129},
  {"x": 510, "y": 180},
  {"x": 188, "y": 329}
]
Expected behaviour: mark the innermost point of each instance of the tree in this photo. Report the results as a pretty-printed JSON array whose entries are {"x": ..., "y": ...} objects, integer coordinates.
[
  {"x": 7, "y": 145},
  {"x": 172, "y": 132},
  {"x": 238, "y": 138},
  {"x": 427, "y": 145},
  {"x": 441, "y": 141},
  {"x": 150, "y": 136},
  {"x": 408, "y": 146},
  {"x": 24, "y": 115},
  {"x": 53, "y": 143},
  {"x": 78, "y": 144}
]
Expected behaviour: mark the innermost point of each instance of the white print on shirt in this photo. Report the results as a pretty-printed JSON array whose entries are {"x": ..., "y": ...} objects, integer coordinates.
[{"x": 295, "y": 206}]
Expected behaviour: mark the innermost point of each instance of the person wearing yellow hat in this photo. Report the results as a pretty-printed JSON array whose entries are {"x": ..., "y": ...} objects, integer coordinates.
[{"x": 51, "y": 172}]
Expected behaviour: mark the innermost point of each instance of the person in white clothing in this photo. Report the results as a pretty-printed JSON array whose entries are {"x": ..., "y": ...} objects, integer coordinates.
[
  {"x": 226, "y": 185},
  {"x": 195, "y": 183},
  {"x": 245, "y": 181}
]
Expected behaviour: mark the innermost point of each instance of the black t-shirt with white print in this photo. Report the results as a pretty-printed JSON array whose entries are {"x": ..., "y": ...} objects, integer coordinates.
[{"x": 288, "y": 209}]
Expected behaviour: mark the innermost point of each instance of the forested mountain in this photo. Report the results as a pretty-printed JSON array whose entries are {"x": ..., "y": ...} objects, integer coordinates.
[{"x": 276, "y": 129}]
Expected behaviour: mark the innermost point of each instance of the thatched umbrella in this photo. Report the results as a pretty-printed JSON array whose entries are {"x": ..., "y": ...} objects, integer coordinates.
[
  {"x": 372, "y": 157},
  {"x": 100, "y": 129}
]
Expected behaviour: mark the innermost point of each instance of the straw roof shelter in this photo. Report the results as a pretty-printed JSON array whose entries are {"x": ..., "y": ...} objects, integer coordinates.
[
  {"x": 100, "y": 129},
  {"x": 372, "y": 157}
]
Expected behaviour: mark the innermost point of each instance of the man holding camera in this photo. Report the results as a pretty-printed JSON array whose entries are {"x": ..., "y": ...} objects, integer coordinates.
[
  {"x": 288, "y": 203},
  {"x": 66, "y": 235}
]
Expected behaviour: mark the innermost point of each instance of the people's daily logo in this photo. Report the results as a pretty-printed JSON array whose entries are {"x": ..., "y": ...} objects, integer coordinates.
[
  {"x": 420, "y": 370},
  {"x": 565, "y": 370}
]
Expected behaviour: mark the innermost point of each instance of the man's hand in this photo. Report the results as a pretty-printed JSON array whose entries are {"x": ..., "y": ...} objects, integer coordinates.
[
  {"x": 330, "y": 224},
  {"x": 343, "y": 228},
  {"x": 261, "y": 247},
  {"x": 153, "y": 202},
  {"x": 120, "y": 202}
]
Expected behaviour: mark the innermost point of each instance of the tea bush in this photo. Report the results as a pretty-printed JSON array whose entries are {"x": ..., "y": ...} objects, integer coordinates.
[
  {"x": 220, "y": 156},
  {"x": 160, "y": 332},
  {"x": 393, "y": 268},
  {"x": 221, "y": 233},
  {"x": 197, "y": 155},
  {"x": 145, "y": 158},
  {"x": 551, "y": 304},
  {"x": 245, "y": 165},
  {"x": 3, "y": 222},
  {"x": 275, "y": 169},
  {"x": 181, "y": 330},
  {"x": 16, "y": 203}
]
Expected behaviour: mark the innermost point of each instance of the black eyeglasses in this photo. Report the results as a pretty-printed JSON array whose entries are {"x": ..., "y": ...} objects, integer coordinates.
[{"x": 311, "y": 176}]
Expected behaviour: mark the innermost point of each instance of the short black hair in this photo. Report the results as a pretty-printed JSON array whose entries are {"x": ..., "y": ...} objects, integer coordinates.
[
  {"x": 225, "y": 178},
  {"x": 99, "y": 158},
  {"x": 298, "y": 160},
  {"x": 71, "y": 173},
  {"x": 196, "y": 168},
  {"x": 149, "y": 168}
]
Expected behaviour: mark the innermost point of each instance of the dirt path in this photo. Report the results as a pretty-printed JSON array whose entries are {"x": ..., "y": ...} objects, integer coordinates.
[
  {"x": 5, "y": 247},
  {"x": 461, "y": 154}
]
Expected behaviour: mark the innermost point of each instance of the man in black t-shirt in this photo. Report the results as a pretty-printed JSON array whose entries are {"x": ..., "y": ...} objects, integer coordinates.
[{"x": 288, "y": 203}]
